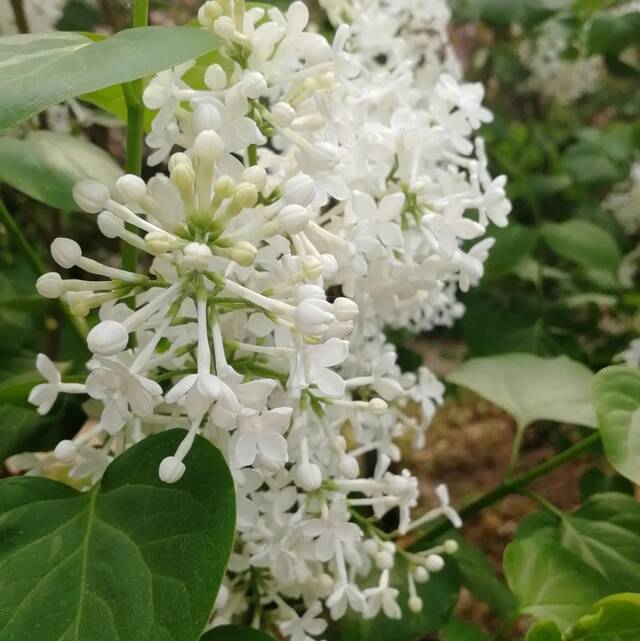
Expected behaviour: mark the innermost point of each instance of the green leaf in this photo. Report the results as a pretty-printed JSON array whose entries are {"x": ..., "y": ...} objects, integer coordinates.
[
  {"x": 616, "y": 395},
  {"x": 544, "y": 631},
  {"x": 456, "y": 630},
  {"x": 551, "y": 583},
  {"x": 584, "y": 243},
  {"x": 605, "y": 534},
  {"x": 134, "y": 559},
  {"x": 513, "y": 244},
  {"x": 23, "y": 430},
  {"x": 46, "y": 165},
  {"x": 235, "y": 633},
  {"x": 478, "y": 575},
  {"x": 610, "y": 34},
  {"x": 33, "y": 64},
  {"x": 531, "y": 388},
  {"x": 615, "y": 618},
  {"x": 439, "y": 595}
]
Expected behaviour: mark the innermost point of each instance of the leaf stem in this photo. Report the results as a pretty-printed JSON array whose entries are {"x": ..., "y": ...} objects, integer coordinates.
[
  {"x": 514, "y": 486},
  {"x": 135, "y": 129},
  {"x": 20, "y": 15},
  {"x": 37, "y": 265}
]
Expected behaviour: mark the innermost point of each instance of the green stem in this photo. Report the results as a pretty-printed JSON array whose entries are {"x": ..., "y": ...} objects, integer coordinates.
[
  {"x": 20, "y": 15},
  {"x": 514, "y": 486},
  {"x": 515, "y": 451},
  {"x": 135, "y": 129},
  {"x": 37, "y": 265}
]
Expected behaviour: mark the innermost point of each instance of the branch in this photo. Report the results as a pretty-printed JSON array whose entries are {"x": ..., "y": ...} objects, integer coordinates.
[{"x": 514, "y": 486}]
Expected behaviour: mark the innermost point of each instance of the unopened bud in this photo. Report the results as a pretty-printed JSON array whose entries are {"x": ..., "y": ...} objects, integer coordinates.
[
  {"x": 345, "y": 309},
  {"x": 246, "y": 196},
  {"x": 415, "y": 604},
  {"x": 244, "y": 253},
  {"x": 66, "y": 252},
  {"x": 132, "y": 188},
  {"x": 215, "y": 78},
  {"x": 294, "y": 218},
  {"x": 91, "y": 196},
  {"x": 378, "y": 407},
  {"x": 282, "y": 115},
  {"x": 177, "y": 159},
  {"x": 171, "y": 470},
  {"x": 256, "y": 176},
  {"x": 225, "y": 187},
  {"x": 197, "y": 256},
  {"x": 208, "y": 145},
  {"x": 300, "y": 190},
  {"x": 434, "y": 563},
  {"x": 158, "y": 242},
  {"x": 308, "y": 477},
  {"x": 349, "y": 467},
  {"x": 451, "y": 546},
  {"x": 65, "y": 451},
  {"x": 110, "y": 225},
  {"x": 108, "y": 338},
  {"x": 50, "y": 285}
]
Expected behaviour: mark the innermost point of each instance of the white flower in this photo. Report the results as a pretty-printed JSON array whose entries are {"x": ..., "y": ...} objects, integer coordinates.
[
  {"x": 261, "y": 433},
  {"x": 302, "y": 628}
]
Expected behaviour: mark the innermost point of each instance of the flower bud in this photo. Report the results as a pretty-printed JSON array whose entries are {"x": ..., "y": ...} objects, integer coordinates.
[
  {"x": 108, "y": 338},
  {"x": 197, "y": 257},
  {"x": 282, "y": 115},
  {"x": 215, "y": 78},
  {"x": 91, "y": 196},
  {"x": 256, "y": 176},
  {"x": 222, "y": 599},
  {"x": 420, "y": 574},
  {"x": 65, "y": 451},
  {"x": 155, "y": 96},
  {"x": 415, "y": 604},
  {"x": 66, "y": 252},
  {"x": 329, "y": 266},
  {"x": 434, "y": 563},
  {"x": 208, "y": 145},
  {"x": 378, "y": 407},
  {"x": 158, "y": 242},
  {"x": 308, "y": 477},
  {"x": 225, "y": 187},
  {"x": 349, "y": 467},
  {"x": 345, "y": 309},
  {"x": 312, "y": 267},
  {"x": 451, "y": 546},
  {"x": 388, "y": 388},
  {"x": 300, "y": 190},
  {"x": 132, "y": 188},
  {"x": 311, "y": 318},
  {"x": 183, "y": 177},
  {"x": 50, "y": 285},
  {"x": 294, "y": 218},
  {"x": 384, "y": 560},
  {"x": 246, "y": 196},
  {"x": 171, "y": 469},
  {"x": 244, "y": 253},
  {"x": 179, "y": 158},
  {"x": 253, "y": 84},
  {"x": 79, "y": 303},
  {"x": 110, "y": 225},
  {"x": 313, "y": 292},
  {"x": 224, "y": 27}
]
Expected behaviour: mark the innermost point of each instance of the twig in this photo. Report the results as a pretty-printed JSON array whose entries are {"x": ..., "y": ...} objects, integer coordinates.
[{"x": 507, "y": 488}]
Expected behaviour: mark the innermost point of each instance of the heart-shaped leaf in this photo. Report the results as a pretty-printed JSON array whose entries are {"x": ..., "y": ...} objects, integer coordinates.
[
  {"x": 33, "y": 64},
  {"x": 616, "y": 395},
  {"x": 615, "y": 618},
  {"x": 235, "y": 633},
  {"x": 544, "y": 631},
  {"x": 532, "y": 388},
  {"x": 550, "y": 582},
  {"x": 46, "y": 165},
  {"x": 134, "y": 559}
]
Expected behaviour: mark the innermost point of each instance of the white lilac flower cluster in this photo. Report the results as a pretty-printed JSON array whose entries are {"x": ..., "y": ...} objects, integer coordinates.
[
  {"x": 555, "y": 75},
  {"x": 318, "y": 197},
  {"x": 624, "y": 201}
]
